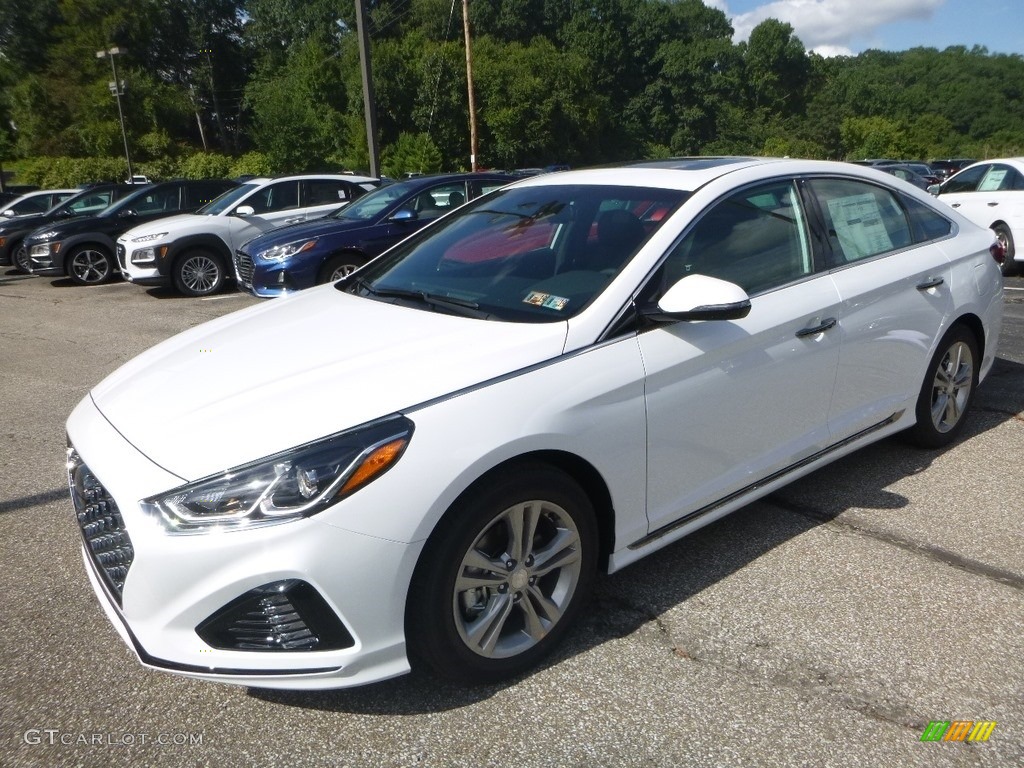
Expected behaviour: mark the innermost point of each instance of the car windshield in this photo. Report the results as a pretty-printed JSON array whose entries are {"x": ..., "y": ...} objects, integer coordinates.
[
  {"x": 529, "y": 254},
  {"x": 371, "y": 204},
  {"x": 225, "y": 201}
]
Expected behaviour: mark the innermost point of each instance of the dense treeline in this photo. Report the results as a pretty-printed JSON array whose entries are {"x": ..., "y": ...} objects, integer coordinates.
[{"x": 231, "y": 86}]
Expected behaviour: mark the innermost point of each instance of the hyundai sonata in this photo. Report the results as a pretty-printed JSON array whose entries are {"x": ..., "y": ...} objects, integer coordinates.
[{"x": 428, "y": 461}]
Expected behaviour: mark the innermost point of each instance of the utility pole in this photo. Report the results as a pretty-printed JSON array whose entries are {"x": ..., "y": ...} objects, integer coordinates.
[
  {"x": 216, "y": 103},
  {"x": 469, "y": 85},
  {"x": 117, "y": 89},
  {"x": 369, "y": 99}
]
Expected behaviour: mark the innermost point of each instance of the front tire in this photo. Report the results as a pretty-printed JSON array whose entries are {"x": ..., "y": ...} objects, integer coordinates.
[
  {"x": 19, "y": 258},
  {"x": 947, "y": 390},
  {"x": 1009, "y": 266},
  {"x": 503, "y": 576},
  {"x": 339, "y": 266},
  {"x": 199, "y": 273},
  {"x": 89, "y": 265}
]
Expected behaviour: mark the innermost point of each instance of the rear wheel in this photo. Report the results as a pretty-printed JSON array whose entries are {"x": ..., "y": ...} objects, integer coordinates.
[
  {"x": 503, "y": 576},
  {"x": 947, "y": 390},
  {"x": 340, "y": 266},
  {"x": 199, "y": 273},
  {"x": 1003, "y": 234},
  {"x": 90, "y": 265}
]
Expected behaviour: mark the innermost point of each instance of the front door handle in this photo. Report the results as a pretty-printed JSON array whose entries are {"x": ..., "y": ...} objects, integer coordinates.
[
  {"x": 930, "y": 282},
  {"x": 956, "y": 205},
  {"x": 294, "y": 219},
  {"x": 993, "y": 204},
  {"x": 827, "y": 323}
]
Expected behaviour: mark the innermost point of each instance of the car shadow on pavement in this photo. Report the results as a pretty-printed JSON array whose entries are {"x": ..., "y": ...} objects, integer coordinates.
[{"x": 639, "y": 595}]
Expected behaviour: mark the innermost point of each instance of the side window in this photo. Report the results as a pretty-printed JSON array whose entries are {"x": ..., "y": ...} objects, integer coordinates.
[
  {"x": 756, "y": 238},
  {"x": 1000, "y": 178},
  {"x": 965, "y": 181},
  {"x": 275, "y": 197},
  {"x": 91, "y": 204},
  {"x": 927, "y": 224},
  {"x": 861, "y": 220},
  {"x": 159, "y": 201},
  {"x": 437, "y": 201},
  {"x": 32, "y": 205},
  {"x": 326, "y": 192},
  {"x": 478, "y": 188}
]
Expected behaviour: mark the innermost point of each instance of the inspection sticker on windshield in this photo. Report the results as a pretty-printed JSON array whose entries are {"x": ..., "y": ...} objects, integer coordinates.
[{"x": 545, "y": 300}]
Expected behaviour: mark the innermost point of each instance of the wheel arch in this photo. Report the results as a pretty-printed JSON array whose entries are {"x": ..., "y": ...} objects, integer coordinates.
[
  {"x": 973, "y": 323},
  {"x": 185, "y": 245},
  {"x": 91, "y": 239},
  {"x": 344, "y": 250}
]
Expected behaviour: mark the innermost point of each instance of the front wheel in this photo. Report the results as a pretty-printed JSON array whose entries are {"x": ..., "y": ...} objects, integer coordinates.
[
  {"x": 89, "y": 265},
  {"x": 338, "y": 267},
  {"x": 503, "y": 576},
  {"x": 199, "y": 273},
  {"x": 947, "y": 390},
  {"x": 19, "y": 258},
  {"x": 1005, "y": 237}
]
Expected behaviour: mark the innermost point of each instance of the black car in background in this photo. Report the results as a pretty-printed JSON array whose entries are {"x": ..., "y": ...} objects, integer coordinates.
[
  {"x": 85, "y": 248},
  {"x": 88, "y": 202},
  {"x": 302, "y": 255}
]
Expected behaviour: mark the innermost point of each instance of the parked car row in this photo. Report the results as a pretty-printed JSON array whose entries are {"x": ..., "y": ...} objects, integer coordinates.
[{"x": 270, "y": 235}]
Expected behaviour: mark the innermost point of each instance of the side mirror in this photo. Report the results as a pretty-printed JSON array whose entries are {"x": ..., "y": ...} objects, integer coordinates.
[
  {"x": 699, "y": 297},
  {"x": 245, "y": 210},
  {"x": 10, "y": 212},
  {"x": 66, "y": 213},
  {"x": 404, "y": 215},
  {"x": 934, "y": 189},
  {"x": 128, "y": 213}
]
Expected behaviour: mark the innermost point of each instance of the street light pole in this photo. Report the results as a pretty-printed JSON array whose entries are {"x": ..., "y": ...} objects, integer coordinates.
[{"x": 115, "y": 88}]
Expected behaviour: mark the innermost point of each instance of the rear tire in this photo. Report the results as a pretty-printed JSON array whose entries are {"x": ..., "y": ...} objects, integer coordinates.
[
  {"x": 199, "y": 273},
  {"x": 1009, "y": 266},
  {"x": 947, "y": 391},
  {"x": 503, "y": 576}
]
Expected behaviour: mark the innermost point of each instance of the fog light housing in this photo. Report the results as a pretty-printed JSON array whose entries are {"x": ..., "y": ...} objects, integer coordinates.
[{"x": 287, "y": 615}]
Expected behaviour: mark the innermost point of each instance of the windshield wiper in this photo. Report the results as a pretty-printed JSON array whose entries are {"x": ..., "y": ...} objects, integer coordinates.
[{"x": 460, "y": 306}]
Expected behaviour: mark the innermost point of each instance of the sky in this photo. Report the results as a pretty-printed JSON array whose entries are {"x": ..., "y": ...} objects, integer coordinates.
[{"x": 849, "y": 27}]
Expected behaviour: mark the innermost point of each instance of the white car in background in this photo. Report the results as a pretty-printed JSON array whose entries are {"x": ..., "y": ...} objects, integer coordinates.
[
  {"x": 193, "y": 251},
  {"x": 39, "y": 201},
  {"x": 427, "y": 461},
  {"x": 991, "y": 193}
]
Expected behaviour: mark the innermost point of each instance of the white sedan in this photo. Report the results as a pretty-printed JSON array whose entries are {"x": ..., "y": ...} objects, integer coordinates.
[
  {"x": 991, "y": 194},
  {"x": 428, "y": 461}
]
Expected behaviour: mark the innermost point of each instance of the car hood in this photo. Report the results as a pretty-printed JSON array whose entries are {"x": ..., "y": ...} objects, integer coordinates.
[
  {"x": 313, "y": 228},
  {"x": 64, "y": 228},
  {"x": 278, "y": 375}
]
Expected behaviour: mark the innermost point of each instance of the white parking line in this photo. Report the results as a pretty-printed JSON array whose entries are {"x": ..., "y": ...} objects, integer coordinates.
[
  {"x": 225, "y": 296},
  {"x": 1010, "y": 288}
]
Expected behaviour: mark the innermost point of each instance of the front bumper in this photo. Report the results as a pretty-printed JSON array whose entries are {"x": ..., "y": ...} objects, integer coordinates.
[
  {"x": 173, "y": 584},
  {"x": 261, "y": 280},
  {"x": 133, "y": 273},
  {"x": 52, "y": 263}
]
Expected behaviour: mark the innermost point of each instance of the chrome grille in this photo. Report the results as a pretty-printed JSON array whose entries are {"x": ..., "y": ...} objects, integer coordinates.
[
  {"x": 243, "y": 268},
  {"x": 99, "y": 519}
]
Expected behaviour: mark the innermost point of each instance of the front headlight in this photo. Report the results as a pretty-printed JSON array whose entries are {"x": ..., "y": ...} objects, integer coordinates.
[
  {"x": 149, "y": 238},
  {"x": 286, "y": 486},
  {"x": 48, "y": 235},
  {"x": 280, "y": 252}
]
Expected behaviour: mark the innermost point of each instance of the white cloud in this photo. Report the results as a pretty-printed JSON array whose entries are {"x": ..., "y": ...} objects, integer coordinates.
[{"x": 829, "y": 26}]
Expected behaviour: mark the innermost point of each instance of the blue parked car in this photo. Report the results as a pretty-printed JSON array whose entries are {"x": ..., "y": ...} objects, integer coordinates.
[{"x": 326, "y": 249}]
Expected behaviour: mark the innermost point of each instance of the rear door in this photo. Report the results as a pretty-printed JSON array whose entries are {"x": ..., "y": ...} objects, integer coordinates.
[
  {"x": 318, "y": 197},
  {"x": 894, "y": 282},
  {"x": 274, "y": 205}
]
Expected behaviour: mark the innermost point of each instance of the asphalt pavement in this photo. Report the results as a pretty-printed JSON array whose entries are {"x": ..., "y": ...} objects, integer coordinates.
[{"x": 826, "y": 625}]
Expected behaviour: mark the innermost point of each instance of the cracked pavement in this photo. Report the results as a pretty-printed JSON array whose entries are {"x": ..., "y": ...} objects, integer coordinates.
[{"x": 825, "y": 625}]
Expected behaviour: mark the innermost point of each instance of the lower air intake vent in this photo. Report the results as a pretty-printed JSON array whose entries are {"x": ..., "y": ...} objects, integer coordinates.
[{"x": 282, "y": 616}]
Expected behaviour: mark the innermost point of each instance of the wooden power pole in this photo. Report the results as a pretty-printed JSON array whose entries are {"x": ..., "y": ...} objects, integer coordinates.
[{"x": 469, "y": 85}]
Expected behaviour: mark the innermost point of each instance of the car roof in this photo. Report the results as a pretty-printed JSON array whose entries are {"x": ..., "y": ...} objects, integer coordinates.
[{"x": 260, "y": 180}]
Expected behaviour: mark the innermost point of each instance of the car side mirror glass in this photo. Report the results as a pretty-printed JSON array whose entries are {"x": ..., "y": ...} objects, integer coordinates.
[
  {"x": 245, "y": 210},
  {"x": 934, "y": 189},
  {"x": 699, "y": 297},
  {"x": 10, "y": 212},
  {"x": 404, "y": 215},
  {"x": 128, "y": 213}
]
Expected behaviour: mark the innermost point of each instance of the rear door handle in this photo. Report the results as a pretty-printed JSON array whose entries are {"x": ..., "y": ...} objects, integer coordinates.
[
  {"x": 930, "y": 282},
  {"x": 956, "y": 205},
  {"x": 993, "y": 204},
  {"x": 827, "y": 323}
]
